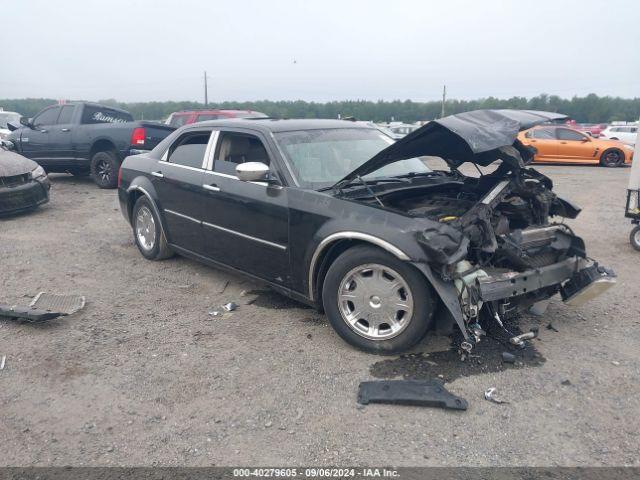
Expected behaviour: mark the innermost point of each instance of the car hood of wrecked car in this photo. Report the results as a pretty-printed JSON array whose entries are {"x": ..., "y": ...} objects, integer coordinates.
[
  {"x": 464, "y": 137},
  {"x": 12, "y": 164}
]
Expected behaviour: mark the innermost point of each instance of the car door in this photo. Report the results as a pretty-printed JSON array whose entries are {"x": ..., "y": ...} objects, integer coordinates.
[
  {"x": 545, "y": 142},
  {"x": 574, "y": 146},
  {"x": 60, "y": 136},
  {"x": 35, "y": 141},
  {"x": 178, "y": 183},
  {"x": 246, "y": 224}
]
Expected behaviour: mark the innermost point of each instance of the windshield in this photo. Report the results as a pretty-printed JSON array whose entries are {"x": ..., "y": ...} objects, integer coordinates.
[
  {"x": 5, "y": 118},
  {"x": 321, "y": 158}
]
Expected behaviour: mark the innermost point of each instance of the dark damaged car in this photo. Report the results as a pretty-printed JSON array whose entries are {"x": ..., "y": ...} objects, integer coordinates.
[
  {"x": 23, "y": 183},
  {"x": 339, "y": 216}
]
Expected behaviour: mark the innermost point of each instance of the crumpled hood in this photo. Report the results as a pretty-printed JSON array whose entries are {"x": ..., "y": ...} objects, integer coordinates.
[
  {"x": 459, "y": 138},
  {"x": 12, "y": 163}
]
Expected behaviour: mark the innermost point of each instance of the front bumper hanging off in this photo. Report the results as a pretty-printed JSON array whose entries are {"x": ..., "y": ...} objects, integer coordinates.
[{"x": 579, "y": 280}]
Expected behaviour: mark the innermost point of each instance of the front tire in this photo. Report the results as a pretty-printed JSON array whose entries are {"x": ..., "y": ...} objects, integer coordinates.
[
  {"x": 147, "y": 231},
  {"x": 612, "y": 158},
  {"x": 104, "y": 169},
  {"x": 377, "y": 302},
  {"x": 634, "y": 238}
]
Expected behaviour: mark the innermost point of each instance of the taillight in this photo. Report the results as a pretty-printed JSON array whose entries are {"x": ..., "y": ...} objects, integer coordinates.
[
  {"x": 137, "y": 137},
  {"x": 119, "y": 176}
]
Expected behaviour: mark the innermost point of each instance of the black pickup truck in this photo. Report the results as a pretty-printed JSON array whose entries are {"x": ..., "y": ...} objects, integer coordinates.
[{"x": 82, "y": 138}]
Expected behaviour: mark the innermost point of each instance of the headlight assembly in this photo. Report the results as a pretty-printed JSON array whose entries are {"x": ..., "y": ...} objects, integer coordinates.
[{"x": 38, "y": 172}]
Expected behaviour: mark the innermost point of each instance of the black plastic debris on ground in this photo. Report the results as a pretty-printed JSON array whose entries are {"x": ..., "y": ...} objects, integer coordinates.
[
  {"x": 486, "y": 357},
  {"x": 422, "y": 393},
  {"x": 27, "y": 314}
]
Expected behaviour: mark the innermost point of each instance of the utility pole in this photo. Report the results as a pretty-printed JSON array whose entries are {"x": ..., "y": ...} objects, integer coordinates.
[
  {"x": 444, "y": 99},
  {"x": 206, "y": 90}
]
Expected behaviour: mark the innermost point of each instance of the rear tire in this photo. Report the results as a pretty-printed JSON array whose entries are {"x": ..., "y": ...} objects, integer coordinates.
[
  {"x": 104, "y": 169},
  {"x": 147, "y": 231},
  {"x": 612, "y": 158},
  {"x": 634, "y": 238},
  {"x": 376, "y": 302}
]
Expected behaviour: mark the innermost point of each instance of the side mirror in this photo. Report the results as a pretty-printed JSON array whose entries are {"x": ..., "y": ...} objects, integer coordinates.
[
  {"x": 585, "y": 139},
  {"x": 27, "y": 122},
  {"x": 253, "y": 172}
]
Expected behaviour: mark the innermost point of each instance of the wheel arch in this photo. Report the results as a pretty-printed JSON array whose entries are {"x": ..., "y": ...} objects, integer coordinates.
[
  {"x": 335, "y": 244},
  {"x": 103, "y": 145},
  {"x": 134, "y": 192}
]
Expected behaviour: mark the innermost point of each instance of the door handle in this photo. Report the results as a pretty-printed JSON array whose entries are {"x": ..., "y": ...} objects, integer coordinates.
[
  {"x": 563, "y": 143},
  {"x": 65, "y": 129},
  {"x": 213, "y": 187},
  {"x": 158, "y": 174},
  {"x": 44, "y": 131}
]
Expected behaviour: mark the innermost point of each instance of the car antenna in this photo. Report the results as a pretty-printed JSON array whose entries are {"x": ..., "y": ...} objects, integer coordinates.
[{"x": 366, "y": 185}]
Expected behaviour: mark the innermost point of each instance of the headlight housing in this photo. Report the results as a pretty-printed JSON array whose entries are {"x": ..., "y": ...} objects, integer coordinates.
[{"x": 38, "y": 172}]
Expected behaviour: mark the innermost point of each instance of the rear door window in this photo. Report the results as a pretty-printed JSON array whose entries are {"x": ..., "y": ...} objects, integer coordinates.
[
  {"x": 566, "y": 134},
  {"x": 189, "y": 149},
  {"x": 544, "y": 134}
]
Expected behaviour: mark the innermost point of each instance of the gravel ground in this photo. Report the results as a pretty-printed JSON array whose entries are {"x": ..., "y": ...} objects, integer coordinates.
[{"x": 145, "y": 376}]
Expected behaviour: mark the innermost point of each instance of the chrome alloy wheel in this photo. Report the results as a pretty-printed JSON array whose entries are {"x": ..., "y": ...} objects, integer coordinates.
[
  {"x": 375, "y": 301},
  {"x": 145, "y": 228}
]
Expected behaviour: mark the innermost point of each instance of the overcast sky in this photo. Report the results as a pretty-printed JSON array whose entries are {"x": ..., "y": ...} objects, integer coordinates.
[{"x": 318, "y": 49}]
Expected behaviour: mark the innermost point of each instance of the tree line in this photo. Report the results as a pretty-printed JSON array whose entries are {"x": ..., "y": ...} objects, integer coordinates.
[{"x": 589, "y": 109}]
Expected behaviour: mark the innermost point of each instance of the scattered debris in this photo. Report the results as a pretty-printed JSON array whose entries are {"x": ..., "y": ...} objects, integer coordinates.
[
  {"x": 422, "y": 393},
  {"x": 214, "y": 313},
  {"x": 566, "y": 382},
  {"x": 2, "y": 361},
  {"x": 490, "y": 394},
  {"x": 29, "y": 314},
  {"x": 616, "y": 363},
  {"x": 230, "y": 307},
  {"x": 551, "y": 327},
  {"x": 268, "y": 424},
  {"x": 519, "y": 340},
  {"x": 508, "y": 357},
  {"x": 65, "y": 304}
]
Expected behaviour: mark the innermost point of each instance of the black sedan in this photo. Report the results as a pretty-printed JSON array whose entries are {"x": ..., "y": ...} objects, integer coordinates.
[
  {"x": 23, "y": 183},
  {"x": 338, "y": 215}
]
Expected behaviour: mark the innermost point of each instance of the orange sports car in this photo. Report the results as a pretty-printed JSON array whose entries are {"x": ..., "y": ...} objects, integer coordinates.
[{"x": 556, "y": 144}]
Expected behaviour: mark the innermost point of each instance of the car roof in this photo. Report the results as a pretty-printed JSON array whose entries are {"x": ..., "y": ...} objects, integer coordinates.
[
  {"x": 211, "y": 110},
  {"x": 282, "y": 125}
]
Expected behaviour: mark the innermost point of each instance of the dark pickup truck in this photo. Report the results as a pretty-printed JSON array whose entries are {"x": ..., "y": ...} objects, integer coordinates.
[{"x": 82, "y": 138}]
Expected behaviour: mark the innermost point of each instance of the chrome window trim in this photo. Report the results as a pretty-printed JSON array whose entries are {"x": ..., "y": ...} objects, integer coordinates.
[
  {"x": 351, "y": 236},
  {"x": 211, "y": 150},
  {"x": 226, "y": 175},
  {"x": 187, "y": 167},
  {"x": 182, "y": 215},
  {"x": 244, "y": 235}
]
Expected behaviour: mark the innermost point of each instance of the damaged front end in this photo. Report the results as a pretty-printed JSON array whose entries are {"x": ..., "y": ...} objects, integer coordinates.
[
  {"x": 516, "y": 257},
  {"x": 494, "y": 248}
]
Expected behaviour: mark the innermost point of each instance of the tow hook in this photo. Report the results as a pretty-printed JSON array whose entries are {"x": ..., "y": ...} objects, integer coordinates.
[{"x": 519, "y": 340}]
